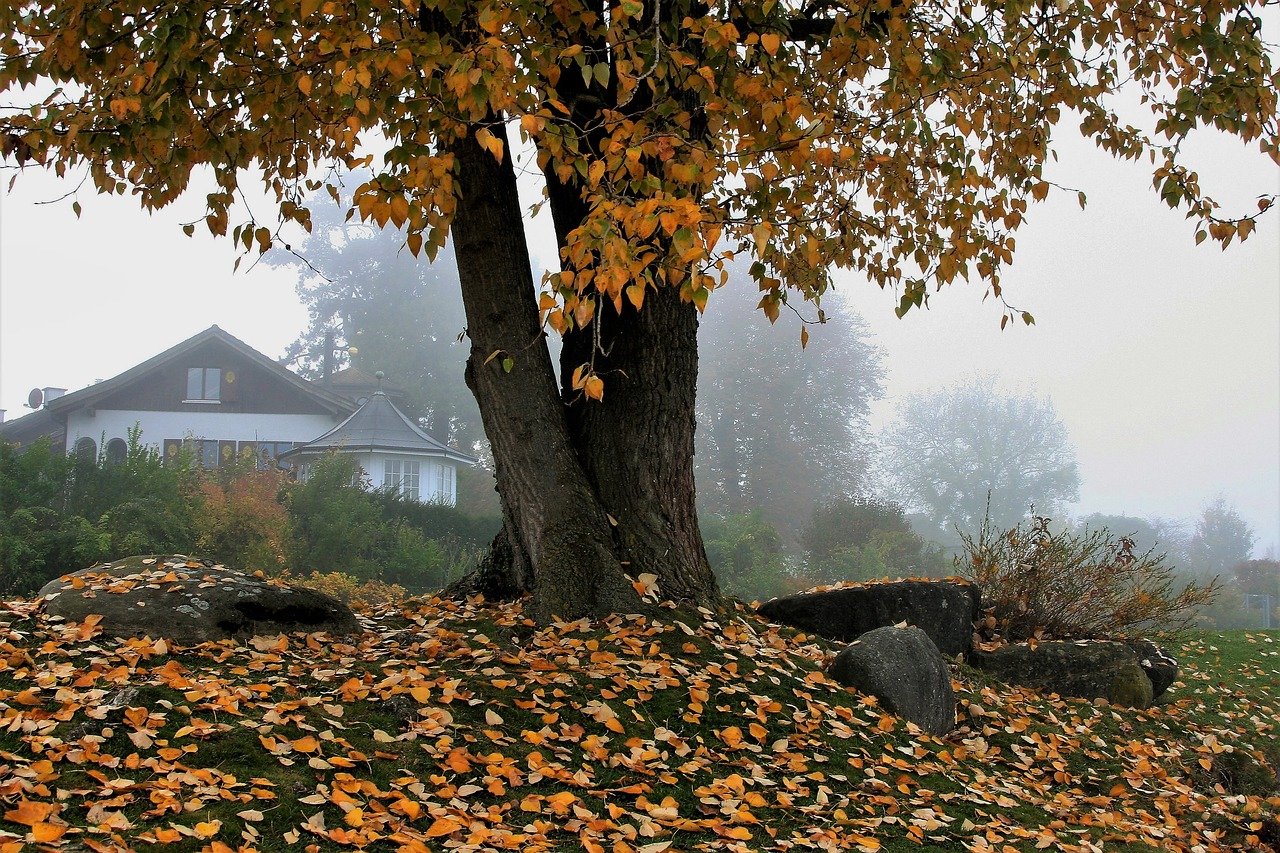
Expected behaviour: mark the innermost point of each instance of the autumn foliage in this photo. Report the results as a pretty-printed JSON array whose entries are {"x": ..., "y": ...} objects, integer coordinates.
[
  {"x": 905, "y": 142},
  {"x": 1038, "y": 582},
  {"x": 458, "y": 726}
]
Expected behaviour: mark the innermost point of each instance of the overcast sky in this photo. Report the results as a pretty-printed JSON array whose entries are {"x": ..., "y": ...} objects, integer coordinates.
[{"x": 1162, "y": 358}]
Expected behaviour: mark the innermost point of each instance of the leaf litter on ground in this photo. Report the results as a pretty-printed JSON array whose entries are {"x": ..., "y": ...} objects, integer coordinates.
[{"x": 460, "y": 727}]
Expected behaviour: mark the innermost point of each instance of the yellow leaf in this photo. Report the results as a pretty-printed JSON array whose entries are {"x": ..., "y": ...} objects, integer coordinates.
[
  {"x": 771, "y": 42},
  {"x": 804, "y": 337},
  {"x": 490, "y": 143},
  {"x": 208, "y": 828},
  {"x": 635, "y": 293}
]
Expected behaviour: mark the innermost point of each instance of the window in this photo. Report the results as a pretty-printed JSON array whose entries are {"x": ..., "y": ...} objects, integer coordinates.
[
  {"x": 204, "y": 384},
  {"x": 86, "y": 450},
  {"x": 267, "y": 453},
  {"x": 402, "y": 476},
  {"x": 117, "y": 450}
]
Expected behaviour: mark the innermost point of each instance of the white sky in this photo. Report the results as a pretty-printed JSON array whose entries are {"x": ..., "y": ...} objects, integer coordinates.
[{"x": 1162, "y": 358}]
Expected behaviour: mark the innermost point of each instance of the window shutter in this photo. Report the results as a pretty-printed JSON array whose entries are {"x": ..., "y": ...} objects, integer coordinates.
[
  {"x": 172, "y": 447},
  {"x": 230, "y": 382}
]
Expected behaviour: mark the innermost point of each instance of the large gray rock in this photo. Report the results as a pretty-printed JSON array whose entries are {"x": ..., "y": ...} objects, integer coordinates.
[
  {"x": 1160, "y": 666},
  {"x": 1084, "y": 669},
  {"x": 945, "y": 610},
  {"x": 904, "y": 670},
  {"x": 190, "y": 601}
]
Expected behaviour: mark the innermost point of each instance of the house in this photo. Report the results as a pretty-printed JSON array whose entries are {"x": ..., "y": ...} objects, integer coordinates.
[
  {"x": 395, "y": 453},
  {"x": 221, "y": 398}
]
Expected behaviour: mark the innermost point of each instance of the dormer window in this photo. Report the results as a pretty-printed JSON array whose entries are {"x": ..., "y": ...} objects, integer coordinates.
[{"x": 204, "y": 385}]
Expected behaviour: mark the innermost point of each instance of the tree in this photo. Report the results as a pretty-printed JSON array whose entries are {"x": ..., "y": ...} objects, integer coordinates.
[
  {"x": 864, "y": 539},
  {"x": 1222, "y": 539},
  {"x": 1163, "y": 536},
  {"x": 967, "y": 453},
  {"x": 904, "y": 141},
  {"x": 389, "y": 311},
  {"x": 782, "y": 429},
  {"x": 1258, "y": 577}
]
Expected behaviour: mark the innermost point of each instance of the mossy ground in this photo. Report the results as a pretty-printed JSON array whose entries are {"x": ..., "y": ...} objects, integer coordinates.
[{"x": 458, "y": 727}]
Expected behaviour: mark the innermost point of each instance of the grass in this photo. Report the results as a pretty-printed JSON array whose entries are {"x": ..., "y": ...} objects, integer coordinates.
[{"x": 457, "y": 727}]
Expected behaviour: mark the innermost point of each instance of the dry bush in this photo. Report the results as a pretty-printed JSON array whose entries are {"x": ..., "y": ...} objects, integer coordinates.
[
  {"x": 359, "y": 594},
  {"x": 1064, "y": 585}
]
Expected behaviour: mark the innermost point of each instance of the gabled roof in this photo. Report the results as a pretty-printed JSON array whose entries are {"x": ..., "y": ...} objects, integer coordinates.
[
  {"x": 26, "y": 429},
  {"x": 334, "y": 403},
  {"x": 379, "y": 426}
]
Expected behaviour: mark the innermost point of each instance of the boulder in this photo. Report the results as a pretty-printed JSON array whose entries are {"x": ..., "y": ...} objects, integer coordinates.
[
  {"x": 1085, "y": 669},
  {"x": 190, "y": 601},
  {"x": 904, "y": 670},
  {"x": 944, "y": 610},
  {"x": 1160, "y": 666}
]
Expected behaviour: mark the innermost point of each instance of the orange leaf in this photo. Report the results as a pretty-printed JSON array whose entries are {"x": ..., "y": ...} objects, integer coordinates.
[
  {"x": 306, "y": 744},
  {"x": 47, "y": 831},
  {"x": 29, "y": 812},
  {"x": 458, "y": 761},
  {"x": 443, "y": 826},
  {"x": 732, "y": 736}
]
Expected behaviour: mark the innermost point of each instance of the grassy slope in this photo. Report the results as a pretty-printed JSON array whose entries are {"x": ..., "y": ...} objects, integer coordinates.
[{"x": 457, "y": 727}]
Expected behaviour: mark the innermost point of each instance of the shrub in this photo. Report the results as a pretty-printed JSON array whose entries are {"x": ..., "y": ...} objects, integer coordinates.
[
  {"x": 336, "y": 525},
  {"x": 360, "y": 594},
  {"x": 1065, "y": 585},
  {"x": 59, "y": 514},
  {"x": 242, "y": 522},
  {"x": 745, "y": 552}
]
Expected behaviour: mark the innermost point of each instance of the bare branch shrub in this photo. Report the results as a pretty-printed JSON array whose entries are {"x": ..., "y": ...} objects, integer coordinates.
[{"x": 1041, "y": 584}]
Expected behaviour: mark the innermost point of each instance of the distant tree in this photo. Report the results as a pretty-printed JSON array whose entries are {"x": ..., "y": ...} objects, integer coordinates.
[
  {"x": 1259, "y": 577},
  {"x": 388, "y": 311},
  {"x": 1222, "y": 540},
  {"x": 866, "y": 538},
  {"x": 952, "y": 452},
  {"x": 782, "y": 428}
]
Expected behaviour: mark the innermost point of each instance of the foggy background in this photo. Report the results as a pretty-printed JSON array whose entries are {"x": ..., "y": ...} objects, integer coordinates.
[{"x": 1161, "y": 359}]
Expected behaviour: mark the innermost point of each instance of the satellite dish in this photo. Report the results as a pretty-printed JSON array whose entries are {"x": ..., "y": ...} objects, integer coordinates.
[{"x": 35, "y": 399}]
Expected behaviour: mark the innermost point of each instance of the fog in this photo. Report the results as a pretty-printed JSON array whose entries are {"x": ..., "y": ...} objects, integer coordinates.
[{"x": 1161, "y": 358}]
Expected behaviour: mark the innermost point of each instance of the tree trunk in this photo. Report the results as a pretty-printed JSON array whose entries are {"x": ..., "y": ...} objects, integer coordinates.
[
  {"x": 556, "y": 539},
  {"x": 630, "y": 455},
  {"x": 636, "y": 444}
]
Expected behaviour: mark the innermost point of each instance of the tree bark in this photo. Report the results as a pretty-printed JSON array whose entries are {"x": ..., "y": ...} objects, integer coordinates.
[
  {"x": 637, "y": 444},
  {"x": 556, "y": 540}
]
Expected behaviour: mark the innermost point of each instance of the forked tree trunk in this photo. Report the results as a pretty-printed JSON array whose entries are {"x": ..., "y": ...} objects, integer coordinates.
[
  {"x": 590, "y": 492},
  {"x": 556, "y": 540},
  {"x": 636, "y": 445}
]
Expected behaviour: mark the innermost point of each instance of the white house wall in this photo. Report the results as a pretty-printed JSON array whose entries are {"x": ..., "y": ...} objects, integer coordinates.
[
  {"x": 222, "y": 426},
  {"x": 434, "y": 483}
]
